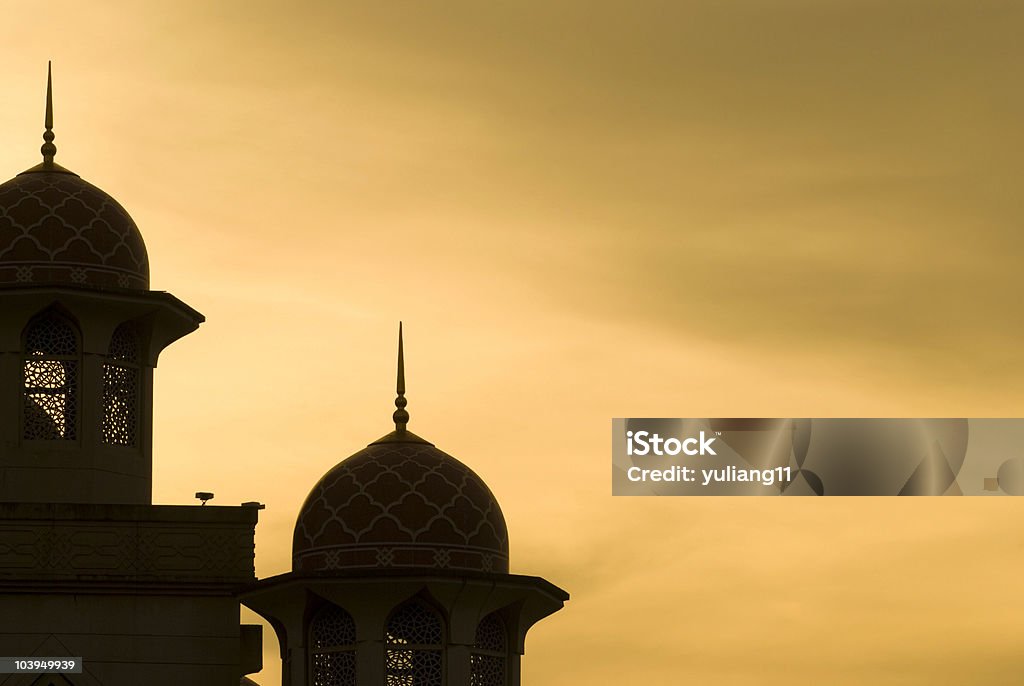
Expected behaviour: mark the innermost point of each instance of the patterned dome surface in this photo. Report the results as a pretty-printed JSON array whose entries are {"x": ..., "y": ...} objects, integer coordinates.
[
  {"x": 400, "y": 503},
  {"x": 56, "y": 228}
]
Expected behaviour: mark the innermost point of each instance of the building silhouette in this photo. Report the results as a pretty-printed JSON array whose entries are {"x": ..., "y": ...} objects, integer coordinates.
[
  {"x": 400, "y": 574},
  {"x": 400, "y": 554}
]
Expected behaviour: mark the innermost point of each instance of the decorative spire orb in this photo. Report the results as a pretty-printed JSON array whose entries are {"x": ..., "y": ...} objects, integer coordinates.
[
  {"x": 400, "y": 416},
  {"x": 57, "y": 229},
  {"x": 48, "y": 149}
]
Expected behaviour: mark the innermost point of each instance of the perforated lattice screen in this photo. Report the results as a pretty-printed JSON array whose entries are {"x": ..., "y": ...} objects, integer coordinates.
[
  {"x": 334, "y": 669},
  {"x": 51, "y": 334},
  {"x": 415, "y": 638},
  {"x": 487, "y": 670},
  {"x": 124, "y": 344},
  {"x": 490, "y": 634},
  {"x": 487, "y": 662},
  {"x": 332, "y": 628},
  {"x": 51, "y": 379},
  {"x": 332, "y": 638},
  {"x": 121, "y": 388}
]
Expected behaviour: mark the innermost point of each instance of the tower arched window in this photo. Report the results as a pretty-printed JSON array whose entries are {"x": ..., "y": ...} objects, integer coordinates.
[
  {"x": 487, "y": 661},
  {"x": 415, "y": 646},
  {"x": 332, "y": 646},
  {"x": 121, "y": 388},
  {"x": 51, "y": 366}
]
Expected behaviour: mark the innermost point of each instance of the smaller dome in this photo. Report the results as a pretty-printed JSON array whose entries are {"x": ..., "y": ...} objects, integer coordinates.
[
  {"x": 400, "y": 503},
  {"x": 56, "y": 228}
]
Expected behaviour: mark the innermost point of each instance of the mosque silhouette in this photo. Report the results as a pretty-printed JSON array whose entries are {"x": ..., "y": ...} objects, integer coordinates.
[{"x": 400, "y": 568}]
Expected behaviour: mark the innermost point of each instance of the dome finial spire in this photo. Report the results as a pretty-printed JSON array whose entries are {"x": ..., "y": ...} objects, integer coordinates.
[
  {"x": 401, "y": 417},
  {"x": 48, "y": 149}
]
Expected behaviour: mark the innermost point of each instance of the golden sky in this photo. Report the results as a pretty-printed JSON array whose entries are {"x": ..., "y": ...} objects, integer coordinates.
[{"x": 584, "y": 210}]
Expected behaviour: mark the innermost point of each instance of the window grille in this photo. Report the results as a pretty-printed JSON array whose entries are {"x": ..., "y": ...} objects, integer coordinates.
[
  {"x": 121, "y": 388},
  {"x": 487, "y": 661},
  {"x": 51, "y": 367},
  {"x": 332, "y": 645},
  {"x": 415, "y": 647}
]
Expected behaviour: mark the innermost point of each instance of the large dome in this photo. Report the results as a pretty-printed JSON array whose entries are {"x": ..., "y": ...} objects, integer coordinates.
[
  {"x": 400, "y": 503},
  {"x": 56, "y": 228}
]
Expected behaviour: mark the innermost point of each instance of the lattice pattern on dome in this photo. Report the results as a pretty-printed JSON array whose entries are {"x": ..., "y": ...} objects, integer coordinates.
[
  {"x": 50, "y": 367},
  {"x": 332, "y": 628},
  {"x": 415, "y": 638},
  {"x": 58, "y": 228},
  {"x": 401, "y": 505},
  {"x": 121, "y": 376},
  {"x": 334, "y": 669}
]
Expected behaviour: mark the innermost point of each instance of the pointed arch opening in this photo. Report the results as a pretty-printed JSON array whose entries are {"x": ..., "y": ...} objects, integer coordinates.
[
  {"x": 488, "y": 661},
  {"x": 121, "y": 388},
  {"x": 415, "y": 646},
  {"x": 332, "y": 648},
  {"x": 51, "y": 364}
]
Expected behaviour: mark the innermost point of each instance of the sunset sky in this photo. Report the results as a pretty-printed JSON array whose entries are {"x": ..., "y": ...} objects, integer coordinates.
[{"x": 583, "y": 210}]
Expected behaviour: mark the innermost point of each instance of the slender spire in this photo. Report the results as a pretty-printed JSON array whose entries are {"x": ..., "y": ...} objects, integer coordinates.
[
  {"x": 401, "y": 417},
  {"x": 48, "y": 149},
  {"x": 48, "y": 166},
  {"x": 401, "y": 434}
]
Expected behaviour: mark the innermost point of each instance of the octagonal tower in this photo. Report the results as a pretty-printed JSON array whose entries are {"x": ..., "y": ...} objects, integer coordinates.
[
  {"x": 400, "y": 574},
  {"x": 80, "y": 334},
  {"x": 89, "y": 566}
]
